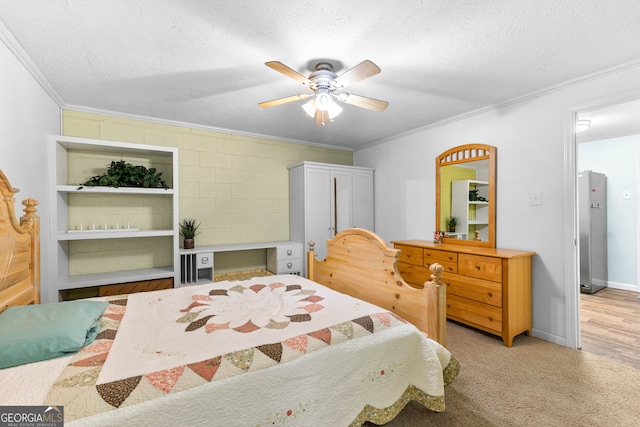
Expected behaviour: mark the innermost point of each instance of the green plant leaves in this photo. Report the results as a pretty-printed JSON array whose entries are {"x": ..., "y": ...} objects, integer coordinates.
[
  {"x": 189, "y": 228},
  {"x": 124, "y": 174}
]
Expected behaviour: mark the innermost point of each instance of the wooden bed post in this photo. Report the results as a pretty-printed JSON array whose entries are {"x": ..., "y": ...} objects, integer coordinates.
[
  {"x": 31, "y": 221},
  {"x": 311, "y": 254},
  {"x": 437, "y": 303},
  {"x": 19, "y": 250}
]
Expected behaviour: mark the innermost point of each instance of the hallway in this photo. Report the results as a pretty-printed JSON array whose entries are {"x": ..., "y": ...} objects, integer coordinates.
[{"x": 610, "y": 325}]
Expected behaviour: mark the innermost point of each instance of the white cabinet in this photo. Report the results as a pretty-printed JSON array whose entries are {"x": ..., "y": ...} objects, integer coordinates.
[
  {"x": 325, "y": 199},
  {"x": 473, "y": 215},
  {"x": 197, "y": 264},
  {"x": 105, "y": 235},
  {"x": 285, "y": 259}
]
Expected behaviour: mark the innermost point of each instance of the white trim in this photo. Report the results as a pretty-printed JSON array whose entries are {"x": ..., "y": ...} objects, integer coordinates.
[
  {"x": 572, "y": 295},
  {"x": 571, "y": 249},
  {"x": 85, "y": 109},
  {"x": 12, "y": 44},
  {"x": 637, "y": 192},
  {"x": 529, "y": 96},
  {"x": 623, "y": 286}
]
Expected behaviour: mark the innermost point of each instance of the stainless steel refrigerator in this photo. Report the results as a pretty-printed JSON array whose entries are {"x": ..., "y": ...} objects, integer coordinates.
[{"x": 592, "y": 220}]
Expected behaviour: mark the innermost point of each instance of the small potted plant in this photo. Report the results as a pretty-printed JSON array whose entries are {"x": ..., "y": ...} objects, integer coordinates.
[
  {"x": 452, "y": 221},
  {"x": 189, "y": 230}
]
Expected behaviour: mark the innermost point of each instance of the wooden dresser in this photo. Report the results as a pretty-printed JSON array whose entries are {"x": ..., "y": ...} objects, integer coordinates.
[{"x": 487, "y": 288}]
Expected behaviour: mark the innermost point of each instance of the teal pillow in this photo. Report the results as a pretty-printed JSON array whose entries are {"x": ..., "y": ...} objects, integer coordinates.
[{"x": 31, "y": 333}]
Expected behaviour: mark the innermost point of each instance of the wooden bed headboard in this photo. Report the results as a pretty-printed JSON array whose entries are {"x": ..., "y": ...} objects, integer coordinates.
[
  {"x": 19, "y": 250},
  {"x": 363, "y": 265}
]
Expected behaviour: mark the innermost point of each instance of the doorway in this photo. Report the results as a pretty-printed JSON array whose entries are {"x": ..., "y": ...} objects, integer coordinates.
[{"x": 611, "y": 145}]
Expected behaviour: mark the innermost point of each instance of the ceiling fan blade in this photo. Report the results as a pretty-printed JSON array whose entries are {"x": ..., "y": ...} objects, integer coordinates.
[
  {"x": 363, "y": 102},
  {"x": 363, "y": 70},
  {"x": 280, "y": 67},
  {"x": 281, "y": 101}
]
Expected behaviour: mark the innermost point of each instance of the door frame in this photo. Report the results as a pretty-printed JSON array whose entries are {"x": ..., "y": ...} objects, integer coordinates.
[{"x": 572, "y": 255}]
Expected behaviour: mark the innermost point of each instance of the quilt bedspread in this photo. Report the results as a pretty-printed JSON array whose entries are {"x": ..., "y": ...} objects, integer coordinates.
[{"x": 278, "y": 350}]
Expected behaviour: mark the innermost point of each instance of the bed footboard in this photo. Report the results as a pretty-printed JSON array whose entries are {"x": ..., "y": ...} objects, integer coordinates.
[{"x": 361, "y": 264}]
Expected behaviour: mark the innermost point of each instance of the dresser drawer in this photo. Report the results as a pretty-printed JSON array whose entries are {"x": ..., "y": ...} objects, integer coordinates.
[
  {"x": 433, "y": 255},
  {"x": 449, "y": 267},
  {"x": 410, "y": 255},
  {"x": 481, "y": 267},
  {"x": 204, "y": 260},
  {"x": 286, "y": 266},
  {"x": 467, "y": 311},
  {"x": 414, "y": 274},
  {"x": 474, "y": 289},
  {"x": 288, "y": 252}
]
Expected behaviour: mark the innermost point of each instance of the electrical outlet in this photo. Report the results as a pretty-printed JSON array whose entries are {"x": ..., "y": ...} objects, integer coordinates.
[{"x": 535, "y": 198}]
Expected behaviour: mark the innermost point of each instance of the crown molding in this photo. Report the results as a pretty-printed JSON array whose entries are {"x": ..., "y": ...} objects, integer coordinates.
[
  {"x": 92, "y": 110},
  {"x": 13, "y": 45}
]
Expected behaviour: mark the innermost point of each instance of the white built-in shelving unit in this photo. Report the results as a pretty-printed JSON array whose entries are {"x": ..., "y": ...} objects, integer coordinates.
[
  {"x": 473, "y": 215},
  {"x": 105, "y": 235}
]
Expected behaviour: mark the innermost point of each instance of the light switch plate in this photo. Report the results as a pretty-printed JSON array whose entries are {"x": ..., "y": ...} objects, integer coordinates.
[{"x": 535, "y": 198}]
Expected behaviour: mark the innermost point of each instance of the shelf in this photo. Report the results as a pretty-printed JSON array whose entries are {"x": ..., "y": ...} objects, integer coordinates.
[
  {"x": 122, "y": 217},
  {"x": 111, "y": 190},
  {"x": 99, "y": 279},
  {"x": 109, "y": 234}
]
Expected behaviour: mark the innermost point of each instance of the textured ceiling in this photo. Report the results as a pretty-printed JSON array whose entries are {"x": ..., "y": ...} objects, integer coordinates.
[{"x": 202, "y": 62}]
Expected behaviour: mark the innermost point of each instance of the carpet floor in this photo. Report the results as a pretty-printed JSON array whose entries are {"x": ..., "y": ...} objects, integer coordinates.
[{"x": 533, "y": 383}]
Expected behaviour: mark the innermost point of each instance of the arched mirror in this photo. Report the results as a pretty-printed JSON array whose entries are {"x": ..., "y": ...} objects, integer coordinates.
[{"x": 466, "y": 195}]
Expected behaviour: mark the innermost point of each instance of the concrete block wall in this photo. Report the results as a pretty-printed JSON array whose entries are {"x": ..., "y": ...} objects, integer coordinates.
[{"x": 237, "y": 186}]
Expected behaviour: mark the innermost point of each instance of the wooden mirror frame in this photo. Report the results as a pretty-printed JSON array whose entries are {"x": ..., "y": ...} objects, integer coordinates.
[{"x": 467, "y": 154}]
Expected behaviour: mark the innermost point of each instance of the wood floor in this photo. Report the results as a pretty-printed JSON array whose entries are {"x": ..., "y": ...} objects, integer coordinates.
[{"x": 610, "y": 325}]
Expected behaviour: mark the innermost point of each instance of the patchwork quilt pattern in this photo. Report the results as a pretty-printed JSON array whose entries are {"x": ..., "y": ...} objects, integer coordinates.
[{"x": 78, "y": 389}]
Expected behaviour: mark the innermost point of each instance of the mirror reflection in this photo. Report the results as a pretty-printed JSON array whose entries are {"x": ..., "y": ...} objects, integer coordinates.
[{"x": 465, "y": 202}]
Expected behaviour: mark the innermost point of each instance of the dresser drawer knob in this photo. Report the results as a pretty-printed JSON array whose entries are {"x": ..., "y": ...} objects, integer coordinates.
[
  {"x": 397, "y": 296},
  {"x": 450, "y": 258},
  {"x": 490, "y": 294},
  {"x": 478, "y": 267},
  {"x": 289, "y": 252},
  {"x": 289, "y": 264}
]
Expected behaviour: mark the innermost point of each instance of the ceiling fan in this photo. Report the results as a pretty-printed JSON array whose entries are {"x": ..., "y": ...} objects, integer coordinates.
[{"x": 324, "y": 83}]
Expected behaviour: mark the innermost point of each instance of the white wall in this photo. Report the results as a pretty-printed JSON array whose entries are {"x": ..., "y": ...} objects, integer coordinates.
[
  {"x": 27, "y": 115},
  {"x": 617, "y": 158},
  {"x": 535, "y": 150}
]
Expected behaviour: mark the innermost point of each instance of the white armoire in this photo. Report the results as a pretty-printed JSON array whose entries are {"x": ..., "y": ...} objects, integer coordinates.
[{"x": 325, "y": 199}]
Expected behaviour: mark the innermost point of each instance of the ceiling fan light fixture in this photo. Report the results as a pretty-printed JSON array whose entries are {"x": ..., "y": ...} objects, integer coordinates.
[
  {"x": 323, "y": 83},
  {"x": 310, "y": 108},
  {"x": 323, "y": 101},
  {"x": 334, "y": 110}
]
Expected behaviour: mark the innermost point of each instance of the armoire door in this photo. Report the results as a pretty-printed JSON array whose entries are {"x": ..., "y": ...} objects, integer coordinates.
[
  {"x": 341, "y": 200},
  {"x": 318, "y": 208},
  {"x": 362, "y": 208}
]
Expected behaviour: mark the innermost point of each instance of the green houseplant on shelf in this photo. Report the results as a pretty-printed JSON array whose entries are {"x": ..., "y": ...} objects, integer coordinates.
[
  {"x": 189, "y": 230},
  {"x": 124, "y": 174},
  {"x": 452, "y": 221}
]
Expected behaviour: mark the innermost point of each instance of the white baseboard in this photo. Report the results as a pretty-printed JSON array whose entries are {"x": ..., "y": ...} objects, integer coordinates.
[
  {"x": 548, "y": 337},
  {"x": 624, "y": 286}
]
